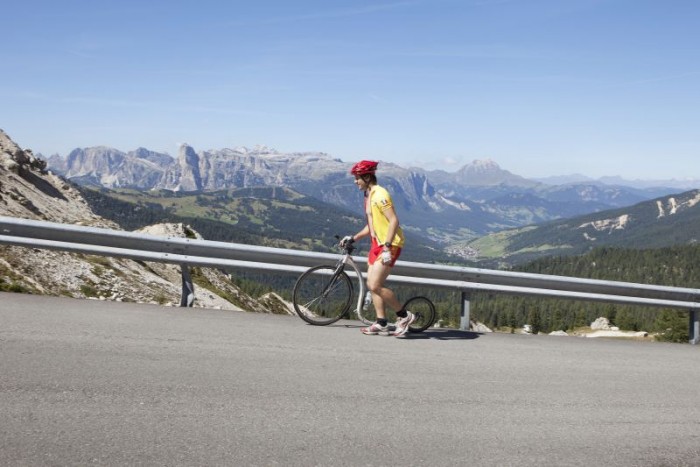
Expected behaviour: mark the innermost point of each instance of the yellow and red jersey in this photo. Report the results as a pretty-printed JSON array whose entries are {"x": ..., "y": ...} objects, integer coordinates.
[{"x": 379, "y": 200}]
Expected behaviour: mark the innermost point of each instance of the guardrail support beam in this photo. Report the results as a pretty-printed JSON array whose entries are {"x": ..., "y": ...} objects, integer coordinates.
[
  {"x": 464, "y": 317},
  {"x": 694, "y": 329},
  {"x": 187, "y": 299}
]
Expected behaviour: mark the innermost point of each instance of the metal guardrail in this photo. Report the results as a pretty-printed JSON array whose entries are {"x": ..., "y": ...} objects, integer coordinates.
[{"x": 189, "y": 252}]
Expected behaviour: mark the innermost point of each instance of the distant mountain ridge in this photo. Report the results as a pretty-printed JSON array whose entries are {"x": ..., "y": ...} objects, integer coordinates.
[
  {"x": 677, "y": 184},
  {"x": 478, "y": 199}
]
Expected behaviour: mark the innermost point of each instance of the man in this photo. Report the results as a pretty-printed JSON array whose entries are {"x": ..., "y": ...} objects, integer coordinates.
[{"x": 387, "y": 240}]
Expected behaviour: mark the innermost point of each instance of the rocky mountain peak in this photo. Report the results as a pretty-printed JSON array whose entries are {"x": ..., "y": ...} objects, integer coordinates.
[
  {"x": 262, "y": 149},
  {"x": 157, "y": 158},
  {"x": 94, "y": 161},
  {"x": 487, "y": 172},
  {"x": 190, "y": 177},
  {"x": 27, "y": 190},
  {"x": 482, "y": 165},
  {"x": 14, "y": 158},
  {"x": 187, "y": 155},
  {"x": 421, "y": 185}
]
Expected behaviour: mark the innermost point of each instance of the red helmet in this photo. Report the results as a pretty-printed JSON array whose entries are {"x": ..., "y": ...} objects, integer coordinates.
[{"x": 364, "y": 167}]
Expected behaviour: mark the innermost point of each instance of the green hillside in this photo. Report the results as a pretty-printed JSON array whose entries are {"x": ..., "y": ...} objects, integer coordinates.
[{"x": 663, "y": 222}]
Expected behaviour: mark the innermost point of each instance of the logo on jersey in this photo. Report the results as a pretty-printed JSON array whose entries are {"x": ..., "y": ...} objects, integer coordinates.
[{"x": 383, "y": 203}]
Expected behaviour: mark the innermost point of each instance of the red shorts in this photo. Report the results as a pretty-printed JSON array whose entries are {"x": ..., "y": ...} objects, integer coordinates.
[{"x": 375, "y": 251}]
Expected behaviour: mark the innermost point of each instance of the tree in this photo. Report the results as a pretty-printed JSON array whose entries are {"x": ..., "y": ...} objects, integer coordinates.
[
  {"x": 533, "y": 319},
  {"x": 672, "y": 326},
  {"x": 511, "y": 320},
  {"x": 625, "y": 320}
]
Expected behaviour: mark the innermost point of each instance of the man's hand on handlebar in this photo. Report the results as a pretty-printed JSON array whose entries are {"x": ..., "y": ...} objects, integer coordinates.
[{"x": 346, "y": 240}]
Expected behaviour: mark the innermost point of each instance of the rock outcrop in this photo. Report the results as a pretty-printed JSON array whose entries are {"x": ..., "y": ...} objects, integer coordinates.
[{"x": 28, "y": 191}]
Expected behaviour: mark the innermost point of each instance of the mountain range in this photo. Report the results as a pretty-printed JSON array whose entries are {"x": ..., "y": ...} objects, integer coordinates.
[{"x": 479, "y": 199}]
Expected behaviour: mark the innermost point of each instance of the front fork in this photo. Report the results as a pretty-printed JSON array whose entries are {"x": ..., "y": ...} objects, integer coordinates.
[
  {"x": 339, "y": 268},
  {"x": 347, "y": 260}
]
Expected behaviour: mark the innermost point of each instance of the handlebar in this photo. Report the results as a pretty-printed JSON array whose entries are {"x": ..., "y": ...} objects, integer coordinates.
[{"x": 349, "y": 246}]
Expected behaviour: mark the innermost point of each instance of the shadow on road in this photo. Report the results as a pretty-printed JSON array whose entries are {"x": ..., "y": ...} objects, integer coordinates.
[
  {"x": 438, "y": 334},
  {"x": 443, "y": 335}
]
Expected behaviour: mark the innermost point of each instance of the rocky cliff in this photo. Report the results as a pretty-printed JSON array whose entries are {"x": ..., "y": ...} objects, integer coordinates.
[
  {"x": 28, "y": 191},
  {"x": 108, "y": 167}
]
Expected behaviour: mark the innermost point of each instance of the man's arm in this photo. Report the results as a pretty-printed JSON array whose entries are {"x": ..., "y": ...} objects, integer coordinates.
[{"x": 393, "y": 224}]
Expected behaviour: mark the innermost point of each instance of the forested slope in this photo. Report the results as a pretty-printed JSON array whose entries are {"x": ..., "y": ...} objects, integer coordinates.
[{"x": 673, "y": 266}]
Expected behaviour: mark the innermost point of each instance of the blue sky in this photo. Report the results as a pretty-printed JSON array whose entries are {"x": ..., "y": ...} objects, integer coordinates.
[{"x": 542, "y": 87}]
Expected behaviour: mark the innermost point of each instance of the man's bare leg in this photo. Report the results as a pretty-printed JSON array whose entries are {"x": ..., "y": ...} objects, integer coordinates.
[{"x": 381, "y": 296}]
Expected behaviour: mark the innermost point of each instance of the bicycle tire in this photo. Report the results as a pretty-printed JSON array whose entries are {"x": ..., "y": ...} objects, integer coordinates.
[
  {"x": 322, "y": 296},
  {"x": 424, "y": 310}
]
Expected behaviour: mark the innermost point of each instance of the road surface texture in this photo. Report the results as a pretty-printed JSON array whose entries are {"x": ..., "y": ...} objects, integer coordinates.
[{"x": 86, "y": 382}]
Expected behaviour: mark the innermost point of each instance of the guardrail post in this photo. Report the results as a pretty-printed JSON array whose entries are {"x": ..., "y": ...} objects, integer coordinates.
[
  {"x": 464, "y": 317},
  {"x": 187, "y": 299},
  {"x": 694, "y": 329}
]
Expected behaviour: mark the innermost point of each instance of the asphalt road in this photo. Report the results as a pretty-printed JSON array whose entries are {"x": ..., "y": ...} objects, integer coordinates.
[{"x": 102, "y": 383}]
